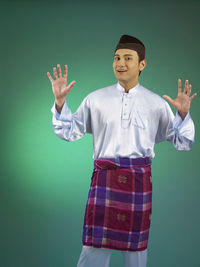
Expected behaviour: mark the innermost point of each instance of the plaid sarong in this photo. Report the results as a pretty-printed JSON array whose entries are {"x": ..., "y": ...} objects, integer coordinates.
[{"x": 119, "y": 205}]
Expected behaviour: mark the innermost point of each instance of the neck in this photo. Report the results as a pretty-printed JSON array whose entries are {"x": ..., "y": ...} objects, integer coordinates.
[{"x": 128, "y": 85}]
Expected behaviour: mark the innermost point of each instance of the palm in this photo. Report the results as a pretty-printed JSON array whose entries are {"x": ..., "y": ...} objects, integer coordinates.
[
  {"x": 59, "y": 86},
  {"x": 182, "y": 102},
  {"x": 183, "y": 99}
]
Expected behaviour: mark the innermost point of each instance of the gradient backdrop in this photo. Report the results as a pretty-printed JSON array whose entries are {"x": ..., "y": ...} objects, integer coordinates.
[{"x": 45, "y": 180}]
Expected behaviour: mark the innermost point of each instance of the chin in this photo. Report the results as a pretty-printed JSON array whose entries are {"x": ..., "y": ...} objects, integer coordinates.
[{"x": 122, "y": 80}]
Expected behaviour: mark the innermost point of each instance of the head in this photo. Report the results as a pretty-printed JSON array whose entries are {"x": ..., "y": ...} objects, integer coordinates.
[
  {"x": 129, "y": 61},
  {"x": 129, "y": 56}
]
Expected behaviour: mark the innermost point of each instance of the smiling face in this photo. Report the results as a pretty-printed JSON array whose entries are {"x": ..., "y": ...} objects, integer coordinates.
[{"x": 126, "y": 66}]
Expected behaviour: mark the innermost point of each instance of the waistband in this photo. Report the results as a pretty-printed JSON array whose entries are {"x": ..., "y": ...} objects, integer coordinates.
[{"x": 121, "y": 162}]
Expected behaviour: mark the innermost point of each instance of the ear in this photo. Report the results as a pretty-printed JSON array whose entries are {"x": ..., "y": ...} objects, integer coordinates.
[{"x": 142, "y": 64}]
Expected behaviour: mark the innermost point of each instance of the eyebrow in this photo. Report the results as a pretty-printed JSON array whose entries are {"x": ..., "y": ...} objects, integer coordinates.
[{"x": 124, "y": 55}]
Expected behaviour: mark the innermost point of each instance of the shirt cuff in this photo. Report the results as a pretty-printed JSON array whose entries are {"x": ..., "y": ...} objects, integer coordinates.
[
  {"x": 184, "y": 127},
  {"x": 65, "y": 114},
  {"x": 178, "y": 120}
]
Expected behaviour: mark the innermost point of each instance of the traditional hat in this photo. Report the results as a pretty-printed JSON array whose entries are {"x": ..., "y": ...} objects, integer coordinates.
[{"x": 130, "y": 42}]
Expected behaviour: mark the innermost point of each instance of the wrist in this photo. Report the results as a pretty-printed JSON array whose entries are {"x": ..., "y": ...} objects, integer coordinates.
[
  {"x": 59, "y": 105},
  {"x": 183, "y": 115},
  {"x": 59, "y": 102}
]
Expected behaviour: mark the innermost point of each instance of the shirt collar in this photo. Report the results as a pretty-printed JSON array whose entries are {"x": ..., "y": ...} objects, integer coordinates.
[{"x": 131, "y": 91}]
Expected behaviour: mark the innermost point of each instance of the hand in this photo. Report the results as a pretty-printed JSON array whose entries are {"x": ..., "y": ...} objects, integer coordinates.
[
  {"x": 183, "y": 100},
  {"x": 59, "y": 85}
]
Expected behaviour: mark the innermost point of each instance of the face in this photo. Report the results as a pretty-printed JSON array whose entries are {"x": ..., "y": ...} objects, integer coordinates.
[{"x": 126, "y": 66}]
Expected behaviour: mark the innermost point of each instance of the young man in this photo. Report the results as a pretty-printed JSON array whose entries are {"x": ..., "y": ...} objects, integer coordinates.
[{"x": 126, "y": 121}]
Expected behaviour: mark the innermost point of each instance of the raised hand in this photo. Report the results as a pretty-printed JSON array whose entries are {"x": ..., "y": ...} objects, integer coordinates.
[
  {"x": 59, "y": 85},
  {"x": 183, "y": 100}
]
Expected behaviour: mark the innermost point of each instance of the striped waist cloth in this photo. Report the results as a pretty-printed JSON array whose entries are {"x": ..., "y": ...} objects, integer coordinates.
[
  {"x": 119, "y": 206},
  {"x": 121, "y": 162}
]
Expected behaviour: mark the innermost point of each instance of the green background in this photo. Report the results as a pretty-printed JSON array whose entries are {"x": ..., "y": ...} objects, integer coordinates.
[{"x": 45, "y": 180}]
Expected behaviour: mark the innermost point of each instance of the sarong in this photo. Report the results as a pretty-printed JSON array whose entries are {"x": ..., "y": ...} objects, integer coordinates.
[{"x": 119, "y": 206}]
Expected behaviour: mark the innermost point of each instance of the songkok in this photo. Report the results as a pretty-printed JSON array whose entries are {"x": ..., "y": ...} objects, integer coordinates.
[{"x": 130, "y": 42}]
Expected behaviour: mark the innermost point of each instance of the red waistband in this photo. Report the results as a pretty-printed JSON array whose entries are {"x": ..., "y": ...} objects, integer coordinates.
[{"x": 121, "y": 162}]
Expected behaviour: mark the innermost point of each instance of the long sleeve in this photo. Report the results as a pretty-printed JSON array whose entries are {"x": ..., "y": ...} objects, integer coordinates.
[
  {"x": 72, "y": 126},
  {"x": 175, "y": 130}
]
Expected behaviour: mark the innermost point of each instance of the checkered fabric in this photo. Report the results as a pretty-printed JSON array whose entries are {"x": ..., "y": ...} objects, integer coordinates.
[{"x": 119, "y": 205}]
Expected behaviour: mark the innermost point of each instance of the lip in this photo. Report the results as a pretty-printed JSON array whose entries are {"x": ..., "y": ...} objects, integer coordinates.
[{"x": 121, "y": 72}]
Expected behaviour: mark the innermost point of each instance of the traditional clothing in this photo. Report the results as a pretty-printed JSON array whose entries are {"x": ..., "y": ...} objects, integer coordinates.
[
  {"x": 119, "y": 204},
  {"x": 123, "y": 125},
  {"x": 125, "y": 128},
  {"x": 133, "y": 43}
]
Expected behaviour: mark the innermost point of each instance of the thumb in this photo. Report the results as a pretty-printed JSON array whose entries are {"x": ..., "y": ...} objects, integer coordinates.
[
  {"x": 168, "y": 98},
  {"x": 69, "y": 87}
]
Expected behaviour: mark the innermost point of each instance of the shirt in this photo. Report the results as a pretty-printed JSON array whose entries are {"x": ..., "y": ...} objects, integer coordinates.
[{"x": 124, "y": 124}]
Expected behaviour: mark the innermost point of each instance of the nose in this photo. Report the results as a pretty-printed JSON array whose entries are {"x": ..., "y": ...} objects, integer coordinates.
[{"x": 121, "y": 63}]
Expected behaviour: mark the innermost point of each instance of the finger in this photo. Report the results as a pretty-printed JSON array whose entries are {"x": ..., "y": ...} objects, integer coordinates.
[
  {"x": 179, "y": 86},
  {"x": 193, "y": 96},
  {"x": 50, "y": 78},
  {"x": 186, "y": 87},
  {"x": 65, "y": 71},
  {"x": 59, "y": 70},
  {"x": 168, "y": 98},
  {"x": 55, "y": 73},
  {"x": 69, "y": 87},
  {"x": 189, "y": 90}
]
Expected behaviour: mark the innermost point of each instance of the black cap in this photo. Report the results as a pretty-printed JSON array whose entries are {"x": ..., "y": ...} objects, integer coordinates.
[{"x": 131, "y": 42}]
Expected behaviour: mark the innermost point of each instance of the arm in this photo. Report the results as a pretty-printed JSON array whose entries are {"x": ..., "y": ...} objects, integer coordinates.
[
  {"x": 66, "y": 125},
  {"x": 175, "y": 130},
  {"x": 72, "y": 126}
]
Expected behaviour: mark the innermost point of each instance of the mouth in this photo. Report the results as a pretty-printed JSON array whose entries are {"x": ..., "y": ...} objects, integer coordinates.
[{"x": 121, "y": 71}]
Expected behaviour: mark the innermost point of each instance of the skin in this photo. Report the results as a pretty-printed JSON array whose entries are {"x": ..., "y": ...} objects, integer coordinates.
[
  {"x": 60, "y": 86},
  {"x": 127, "y": 59},
  {"x": 183, "y": 100},
  {"x": 127, "y": 80}
]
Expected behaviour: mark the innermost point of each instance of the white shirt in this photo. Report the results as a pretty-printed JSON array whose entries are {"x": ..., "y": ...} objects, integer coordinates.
[{"x": 124, "y": 124}]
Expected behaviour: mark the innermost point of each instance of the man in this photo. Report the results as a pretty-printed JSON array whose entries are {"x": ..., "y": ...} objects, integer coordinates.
[{"x": 126, "y": 121}]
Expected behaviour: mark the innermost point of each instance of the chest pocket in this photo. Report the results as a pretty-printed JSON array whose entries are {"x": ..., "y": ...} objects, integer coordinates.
[{"x": 140, "y": 118}]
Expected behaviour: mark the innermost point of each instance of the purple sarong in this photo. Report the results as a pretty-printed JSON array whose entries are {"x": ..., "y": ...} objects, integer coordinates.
[{"x": 119, "y": 205}]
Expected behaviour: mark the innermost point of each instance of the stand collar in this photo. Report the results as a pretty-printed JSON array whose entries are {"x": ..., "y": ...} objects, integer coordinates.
[{"x": 131, "y": 91}]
